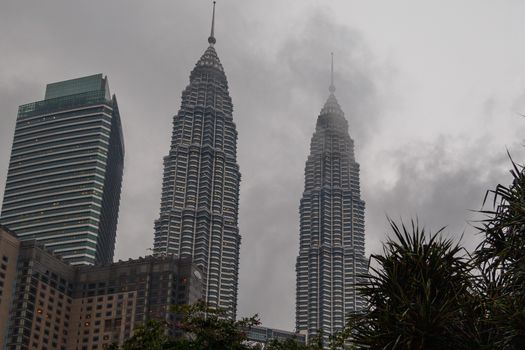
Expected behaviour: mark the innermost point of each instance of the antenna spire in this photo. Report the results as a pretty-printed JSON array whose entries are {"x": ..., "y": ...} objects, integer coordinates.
[
  {"x": 211, "y": 39},
  {"x": 332, "y": 87}
]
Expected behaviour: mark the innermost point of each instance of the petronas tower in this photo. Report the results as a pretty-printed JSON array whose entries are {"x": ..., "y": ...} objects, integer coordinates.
[
  {"x": 332, "y": 243},
  {"x": 200, "y": 189}
]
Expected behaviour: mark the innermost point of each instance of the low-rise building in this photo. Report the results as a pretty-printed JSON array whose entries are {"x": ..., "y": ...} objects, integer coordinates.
[
  {"x": 109, "y": 301},
  {"x": 263, "y": 335},
  {"x": 55, "y": 305}
]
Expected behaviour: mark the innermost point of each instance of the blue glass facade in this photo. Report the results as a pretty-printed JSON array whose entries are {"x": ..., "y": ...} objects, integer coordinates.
[{"x": 65, "y": 173}]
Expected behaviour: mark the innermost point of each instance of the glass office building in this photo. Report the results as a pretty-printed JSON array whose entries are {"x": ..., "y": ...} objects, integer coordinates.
[{"x": 65, "y": 173}]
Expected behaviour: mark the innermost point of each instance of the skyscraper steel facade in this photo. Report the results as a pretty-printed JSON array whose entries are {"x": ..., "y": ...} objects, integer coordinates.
[
  {"x": 65, "y": 173},
  {"x": 200, "y": 189},
  {"x": 332, "y": 243}
]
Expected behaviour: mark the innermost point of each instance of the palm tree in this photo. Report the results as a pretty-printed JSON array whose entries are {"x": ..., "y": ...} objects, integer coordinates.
[
  {"x": 420, "y": 295},
  {"x": 500, "y": 258}
]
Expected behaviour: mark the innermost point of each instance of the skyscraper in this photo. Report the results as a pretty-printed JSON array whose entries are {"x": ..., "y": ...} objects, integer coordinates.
[
  {"x": 200, "y": 189},
  {"x": 332, "y": 242},
  {"x": 65, "y": 173}
]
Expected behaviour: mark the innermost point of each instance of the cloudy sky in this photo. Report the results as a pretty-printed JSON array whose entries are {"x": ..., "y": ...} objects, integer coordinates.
[{"x": 434, "y": 92}]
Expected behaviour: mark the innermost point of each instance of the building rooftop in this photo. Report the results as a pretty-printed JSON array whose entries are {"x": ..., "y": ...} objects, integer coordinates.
[
  {"x": 96, "y": 82},
  {"x": 68, "y": 94}
]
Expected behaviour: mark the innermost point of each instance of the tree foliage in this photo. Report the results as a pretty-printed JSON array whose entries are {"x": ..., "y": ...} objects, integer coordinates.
[
  {"x": 291, "y": 344},
  {"x": 150, "y": 335},
  {"x": 314, "y": 343},
  {"x": 427, "y": 293},
  {"x": 202, "y": 328},
  {"x": 211, "y": 328},
  {"x": 500, "y": 259},
  {"x": 419, "y": 297}
]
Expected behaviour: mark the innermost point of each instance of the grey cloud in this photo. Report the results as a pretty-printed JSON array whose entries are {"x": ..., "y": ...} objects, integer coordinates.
[
  {"x": 442, "y": 183},
  {"x": 357, "y": 74}
]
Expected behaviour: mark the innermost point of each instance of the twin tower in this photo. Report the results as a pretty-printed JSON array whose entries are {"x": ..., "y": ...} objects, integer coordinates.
[
  {"x": 200, "y": 203},
  {"x": 63, "y": 189}
]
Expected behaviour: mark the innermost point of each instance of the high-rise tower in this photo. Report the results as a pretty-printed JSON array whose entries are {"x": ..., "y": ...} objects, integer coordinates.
[
  {"x": 65, "y": 173},
  {"x": 200, "y": 189},
  {"x": 332, "y": 242}
]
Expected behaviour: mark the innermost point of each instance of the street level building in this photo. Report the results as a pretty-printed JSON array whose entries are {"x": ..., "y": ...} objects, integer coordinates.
[
  {"x": 109, "y": 301},
  {"x": 332, "y": 242},
  {"x": 259, "y": 335},
  {"x": 55, "y": 305},
  {"x": 65, "y": 172},
  {"x": 200, "y": 188}
]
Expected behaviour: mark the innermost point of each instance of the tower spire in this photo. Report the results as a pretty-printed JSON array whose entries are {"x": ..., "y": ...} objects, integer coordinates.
[
  {"x": 211, "y": 39},
  {"x": 332, "y": 87}
]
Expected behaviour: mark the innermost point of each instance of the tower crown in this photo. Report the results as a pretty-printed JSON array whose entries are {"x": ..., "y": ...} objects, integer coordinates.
[
  {"x": 331, "y": 106},
  {"x": 209, "y": 59}
]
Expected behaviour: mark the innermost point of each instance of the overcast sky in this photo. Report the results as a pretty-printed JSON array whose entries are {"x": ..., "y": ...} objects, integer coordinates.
[{"x": 433, "y": 92}]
